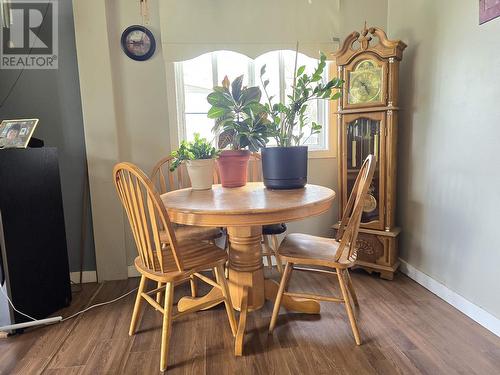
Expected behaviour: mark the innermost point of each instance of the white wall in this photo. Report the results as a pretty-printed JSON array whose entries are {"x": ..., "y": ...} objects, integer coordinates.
[
  {"x": 134, "y": 95},
  {"x": 449, "y": 135},
  {"x": 192, "y": 27},
  {"x": 125, "y": 117}
]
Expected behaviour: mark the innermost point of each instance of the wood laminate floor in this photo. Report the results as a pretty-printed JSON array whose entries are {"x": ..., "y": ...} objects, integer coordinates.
[{"x": 405, "y": 328}]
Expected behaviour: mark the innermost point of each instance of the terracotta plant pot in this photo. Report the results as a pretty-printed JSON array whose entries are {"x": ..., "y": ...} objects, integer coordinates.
[
  {"x": 233, "y": 167},
  {"x": 201, "y": 173}
]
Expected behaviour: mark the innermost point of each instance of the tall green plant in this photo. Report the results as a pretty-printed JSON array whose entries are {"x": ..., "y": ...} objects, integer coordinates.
[
  {"x": 289, "y": 121},
  {"x": 239, "y": 117}
]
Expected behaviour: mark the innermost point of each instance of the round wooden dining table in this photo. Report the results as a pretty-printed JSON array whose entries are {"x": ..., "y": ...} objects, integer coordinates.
[{"x": 243, "y": 211}]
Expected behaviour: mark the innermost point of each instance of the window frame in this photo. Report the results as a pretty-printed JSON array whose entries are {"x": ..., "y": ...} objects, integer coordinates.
[{"x": 177, "y": 101}]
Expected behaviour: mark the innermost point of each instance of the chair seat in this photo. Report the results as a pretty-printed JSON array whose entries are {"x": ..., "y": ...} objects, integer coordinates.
[
  {"x": 305, "y": 249},
  {"x": 273, "y": 229},
  {"x": 193, "y": 232},
  {"x": 196, "y": 256}
]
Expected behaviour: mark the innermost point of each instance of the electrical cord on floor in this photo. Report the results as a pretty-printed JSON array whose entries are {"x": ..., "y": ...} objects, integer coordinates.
[
  {"x": 14, "y": 307},
  {"x": 5, "y": 334},
  {"x": 99, "y": 304}
]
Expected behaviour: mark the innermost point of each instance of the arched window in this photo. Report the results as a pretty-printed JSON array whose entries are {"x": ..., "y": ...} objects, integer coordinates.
[{"x": 195, "y": 79}]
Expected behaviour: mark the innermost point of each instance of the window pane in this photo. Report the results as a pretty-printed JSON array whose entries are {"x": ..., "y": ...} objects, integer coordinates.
[
  {"x": 271, "y": 60},
  {"x": 195, "y": 99},
  {"x": 317, "y": 109},
  {"x": 232, "y": 65},
  {"x": 198, "y": 123},
  {"x": 289, "y": 62},
  {"x": 198, "y": 71},
  {"x": 197, "y": 78}
]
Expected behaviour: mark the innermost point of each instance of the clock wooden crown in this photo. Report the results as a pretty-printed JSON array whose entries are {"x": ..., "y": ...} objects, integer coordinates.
[
  {"x": 367, "y": 118},
  {"x": 370, "y": 45},
  {"x": 385, "y": 48}
]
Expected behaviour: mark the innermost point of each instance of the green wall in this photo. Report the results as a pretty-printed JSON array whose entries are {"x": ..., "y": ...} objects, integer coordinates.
[{"x": 449, "y": 182}]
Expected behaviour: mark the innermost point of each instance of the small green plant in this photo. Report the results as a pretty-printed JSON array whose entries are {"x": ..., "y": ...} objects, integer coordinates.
[
  {"x": 239, "y": 117},
  {"x": 200, "y": 148},
  {"x": 285, "y": 118}
]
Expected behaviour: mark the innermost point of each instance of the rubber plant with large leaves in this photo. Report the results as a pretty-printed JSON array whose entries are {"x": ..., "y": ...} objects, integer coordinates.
[
  {"x": 240, "y": 120},
  {"x": 241, "y": 124}
]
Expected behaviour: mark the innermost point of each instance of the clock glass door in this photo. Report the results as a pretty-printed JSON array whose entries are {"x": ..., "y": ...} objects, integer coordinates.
[{"x": 363, "y": 137}]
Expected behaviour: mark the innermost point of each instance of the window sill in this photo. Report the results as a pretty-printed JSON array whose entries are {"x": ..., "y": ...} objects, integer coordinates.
[{"x": 327, "y": 154}]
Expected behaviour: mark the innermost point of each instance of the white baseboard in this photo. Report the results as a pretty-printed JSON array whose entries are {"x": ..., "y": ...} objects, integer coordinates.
[
  {"x": 132, "y": 272},
  {"x": 87, "y": 277},
  {"x": 484, "y": 318}
]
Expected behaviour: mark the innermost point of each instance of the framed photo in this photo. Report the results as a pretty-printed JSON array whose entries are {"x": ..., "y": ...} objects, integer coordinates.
[
  {"x": 16, "y": 133},
  {"x": 488, "y": 10}
]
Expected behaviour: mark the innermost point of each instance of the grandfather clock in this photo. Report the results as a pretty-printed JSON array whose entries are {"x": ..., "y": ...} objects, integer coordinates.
[{"x": 367, "y": 117}]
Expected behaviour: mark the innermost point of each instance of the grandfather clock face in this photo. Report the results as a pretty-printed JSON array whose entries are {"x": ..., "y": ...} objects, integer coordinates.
[{"x": 365, "y": 83}]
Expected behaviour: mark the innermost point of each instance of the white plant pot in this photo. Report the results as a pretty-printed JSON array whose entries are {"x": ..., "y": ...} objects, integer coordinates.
[{"x": 201, "y": 173}]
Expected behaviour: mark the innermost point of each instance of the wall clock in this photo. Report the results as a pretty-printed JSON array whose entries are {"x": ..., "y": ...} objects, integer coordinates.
[{"x": 138, "y": 43}]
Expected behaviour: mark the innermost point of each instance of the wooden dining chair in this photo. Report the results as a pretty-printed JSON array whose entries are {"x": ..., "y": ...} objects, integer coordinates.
[
  {"x": 338, "y": 254},
  {"x": 166, "y": 263},
  {"x": 164, "y": 181},
  {"x": 270, "y": 233}
]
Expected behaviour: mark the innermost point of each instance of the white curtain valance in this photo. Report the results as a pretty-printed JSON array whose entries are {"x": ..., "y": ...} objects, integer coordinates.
[
  {"x": 182, "y": 52},
  {"x": 190, "y": 28}
]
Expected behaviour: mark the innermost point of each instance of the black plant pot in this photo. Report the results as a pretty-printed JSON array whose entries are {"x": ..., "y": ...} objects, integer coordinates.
[{"x": 284, "y": 167}]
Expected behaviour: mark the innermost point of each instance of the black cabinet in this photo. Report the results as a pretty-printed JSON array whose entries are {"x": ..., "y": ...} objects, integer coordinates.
[{"x": 34, "y": 259}]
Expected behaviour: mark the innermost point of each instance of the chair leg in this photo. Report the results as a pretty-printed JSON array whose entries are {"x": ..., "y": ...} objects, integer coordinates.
[
  {"x": 347, "y": 303},
  {"x": 194, "y": 288},
  {"x": 167, "y": 325},
  {"x": 137, "y": 306},
  {"x": 351, "y": 288},
  {"x": 158, "y": 294},
  {"x": 221, "y": 280},
  {"x": 265, "y": 241},
  {"x": 275, "y": 247},
  {"x": 227, "y": 247},
  {"x": 277, "y": 303},
  {"x": 226, "y": 243}
]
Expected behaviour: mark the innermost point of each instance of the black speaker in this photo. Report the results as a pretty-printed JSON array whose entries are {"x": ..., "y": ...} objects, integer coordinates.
[{"x": 34, "y": 269}]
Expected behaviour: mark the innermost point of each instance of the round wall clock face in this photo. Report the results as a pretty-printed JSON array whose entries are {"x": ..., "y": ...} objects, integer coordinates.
[
  {"x": 138, "y": 43},
  {"x": 365, "y": 83}
]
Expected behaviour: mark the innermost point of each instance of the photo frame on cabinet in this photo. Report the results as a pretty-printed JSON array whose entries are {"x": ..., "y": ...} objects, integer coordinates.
[{"x": 16, "y": 133}]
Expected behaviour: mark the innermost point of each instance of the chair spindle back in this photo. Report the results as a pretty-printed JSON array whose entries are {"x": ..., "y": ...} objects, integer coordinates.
[
  {"x": 164, "y": 180},
  {"x": 349, "y": 225},
  {"x": 147, "y": 217},
  {"x": 255, "y": 168}
]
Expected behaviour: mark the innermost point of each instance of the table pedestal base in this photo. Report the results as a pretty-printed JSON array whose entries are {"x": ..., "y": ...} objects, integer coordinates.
[
  {"x": 303, "y": 305},
  {"x": 247, "y": 286}
]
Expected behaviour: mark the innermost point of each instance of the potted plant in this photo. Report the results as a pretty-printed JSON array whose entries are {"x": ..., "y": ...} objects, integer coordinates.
[
  {"x": 241, "y": 123},
  {"x": 199, "y": 157},
  {"x": 285, "y": 166}
]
